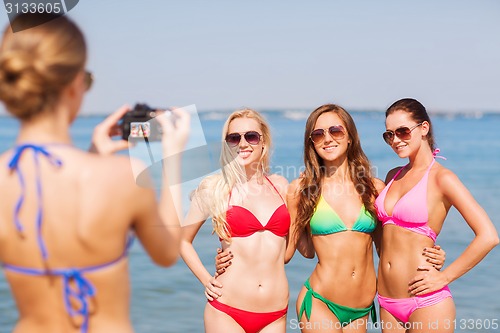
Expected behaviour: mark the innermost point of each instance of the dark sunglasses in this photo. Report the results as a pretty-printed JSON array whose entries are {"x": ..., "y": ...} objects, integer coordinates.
[
  {"x": 403, "y": 133},
  {"x": 252, "y": 137},
  {"x": 336, "y": 132},
  {"x": 89, "y": 79}
]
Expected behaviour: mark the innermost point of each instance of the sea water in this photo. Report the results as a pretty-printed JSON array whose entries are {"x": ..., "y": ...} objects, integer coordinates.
[{"x": 172, "y": 299}]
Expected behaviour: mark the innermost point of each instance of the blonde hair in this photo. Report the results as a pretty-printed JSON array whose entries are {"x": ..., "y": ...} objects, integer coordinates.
[
  {"x": 213, "y": 192},
  {"x": 37, "y": 63}
]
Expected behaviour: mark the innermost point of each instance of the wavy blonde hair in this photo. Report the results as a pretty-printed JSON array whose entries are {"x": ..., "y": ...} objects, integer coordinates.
[{"x": 213, "y": 192}]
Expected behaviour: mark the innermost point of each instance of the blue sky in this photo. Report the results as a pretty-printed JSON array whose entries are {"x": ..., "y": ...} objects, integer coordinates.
[{"x": 292, "y": 54}]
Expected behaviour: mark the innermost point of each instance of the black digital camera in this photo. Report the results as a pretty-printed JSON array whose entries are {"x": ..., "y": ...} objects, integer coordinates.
[{"x": 139, "y": 124}]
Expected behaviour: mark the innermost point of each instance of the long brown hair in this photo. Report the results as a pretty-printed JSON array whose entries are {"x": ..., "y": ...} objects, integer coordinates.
[{"x": 312, "y": 177}]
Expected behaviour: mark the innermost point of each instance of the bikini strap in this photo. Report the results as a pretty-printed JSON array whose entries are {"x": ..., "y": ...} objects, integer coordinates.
[
  {"x": 434, "y": 154},
  {"x": 270, "y": 182},
  {"x": 437, "y": 151},
  {"x": 81, "y": 290},
  {"x": 77, "y": 293},
  {"x": 306, "y": 306},
  {"x": 430, "y": 166},
  {"x": 14, "y": 165},
  {"x": 397, "y": 173}
]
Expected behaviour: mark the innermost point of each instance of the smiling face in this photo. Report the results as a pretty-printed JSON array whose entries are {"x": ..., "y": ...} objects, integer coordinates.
[
  {"x": 406, "y": 144},
  {"x": 333, "y": 145},
  {"x": 247, "y": 154}
]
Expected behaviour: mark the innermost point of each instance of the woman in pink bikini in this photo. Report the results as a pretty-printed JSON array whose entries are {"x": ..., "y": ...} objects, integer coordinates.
[
  {"x": 412, "y": 209},
  {"x": 251, "y": 219}
]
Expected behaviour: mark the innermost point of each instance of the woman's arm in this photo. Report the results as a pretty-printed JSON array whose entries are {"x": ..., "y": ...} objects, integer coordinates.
[
  {"x": 101, "y": 138},
  {"x": 157, "y": 225},
  {"x": 486, "y": 236},
  {"x": 295, "y": 241},
  {"x": 377, "y": 234},
  {"x": 191, "y": 225}
]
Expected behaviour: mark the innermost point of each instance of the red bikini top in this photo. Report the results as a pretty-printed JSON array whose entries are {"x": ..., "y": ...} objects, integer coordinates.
[{"x": 243, "y": 223}]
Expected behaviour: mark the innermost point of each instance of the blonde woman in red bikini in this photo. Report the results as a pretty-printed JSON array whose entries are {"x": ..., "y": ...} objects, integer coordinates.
[{"x": 250, "y": 217}]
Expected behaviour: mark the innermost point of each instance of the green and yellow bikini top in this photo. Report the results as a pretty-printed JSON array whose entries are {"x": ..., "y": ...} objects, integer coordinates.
[{"x": 326, "y": 221}]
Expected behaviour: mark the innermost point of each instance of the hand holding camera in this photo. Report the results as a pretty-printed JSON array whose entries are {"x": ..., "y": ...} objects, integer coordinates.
[
  {"x": 101, "y": 138},
  {"x": 142, "y": 123}
]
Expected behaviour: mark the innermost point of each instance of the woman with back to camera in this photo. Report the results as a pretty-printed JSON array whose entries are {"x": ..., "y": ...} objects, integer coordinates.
[
  {"x": 413, "y": 296},
  {"x": 333, "y": 215},
  {"x": 66, "y": 214},
  {"x": 249, "y": 215}
]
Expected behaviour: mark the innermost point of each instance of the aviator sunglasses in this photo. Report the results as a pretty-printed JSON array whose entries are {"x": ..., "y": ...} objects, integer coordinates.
[
  {"x": 336, "y": 132},
  {"x": 252, "y": 137},
  {"x": 403, "y": 133}
]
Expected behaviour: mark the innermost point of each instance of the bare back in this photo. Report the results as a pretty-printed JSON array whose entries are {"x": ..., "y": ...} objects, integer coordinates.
[{"x": 88, "y": 209}]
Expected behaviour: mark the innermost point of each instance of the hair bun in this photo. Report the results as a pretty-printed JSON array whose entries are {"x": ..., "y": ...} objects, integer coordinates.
[
  {"x": 38, "y": 63},
  {"x": 21, "y": 85}
]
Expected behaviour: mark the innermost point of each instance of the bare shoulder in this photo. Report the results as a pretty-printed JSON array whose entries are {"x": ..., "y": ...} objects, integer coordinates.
[
  {"x": 5, "y": 173},
  {"x": 379, "y": 184},
  {"x": 392, "y": 173},
  {"x": 278, "y": 181},
  {"x": 5, "y": 155},
  {"x": 293, "y": 188},
  {"x": 203, "y": 195},
  {"x": 4, "y": 160},
  {"x": 127, "y": 173},
  {"x": 121, "y": 164},
  {"x": 445, "y": 178},
  {"x": 295, "y": 184},
  {"x": 208, "y": 184},
  {"x": 202, "y": 199}
]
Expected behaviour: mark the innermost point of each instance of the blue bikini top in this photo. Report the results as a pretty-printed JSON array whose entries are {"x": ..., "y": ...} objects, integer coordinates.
[
  {"x": 82, "y": 289},
  {"x": 326, "y": 221}
]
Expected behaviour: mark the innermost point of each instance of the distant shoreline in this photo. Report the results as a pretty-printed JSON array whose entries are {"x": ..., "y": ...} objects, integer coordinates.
[{"x": 439, "y": 113}]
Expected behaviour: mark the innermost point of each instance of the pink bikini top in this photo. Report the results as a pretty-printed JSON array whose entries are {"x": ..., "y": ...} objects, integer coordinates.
[
  {"x": 243, "y": 223},
  {"x": 410, "y": 211}
]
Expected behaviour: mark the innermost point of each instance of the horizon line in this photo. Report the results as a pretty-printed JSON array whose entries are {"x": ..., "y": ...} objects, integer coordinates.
[{"x": 4, "y": 113}]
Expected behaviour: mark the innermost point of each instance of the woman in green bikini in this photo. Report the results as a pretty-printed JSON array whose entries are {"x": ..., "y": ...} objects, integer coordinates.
[{"x": 333, "y": 215}]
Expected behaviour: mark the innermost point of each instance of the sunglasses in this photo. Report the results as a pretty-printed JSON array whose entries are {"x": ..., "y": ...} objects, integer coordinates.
[
  {"x": 252, "y": 137},
  {"x": 336, "y": 132},
  {"x": 88, "y": 79},
  {"x": 403, "y": 133}
]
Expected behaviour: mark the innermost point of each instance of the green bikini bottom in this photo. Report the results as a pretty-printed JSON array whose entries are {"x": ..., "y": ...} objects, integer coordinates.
[{"x": 344, "y": 314}]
